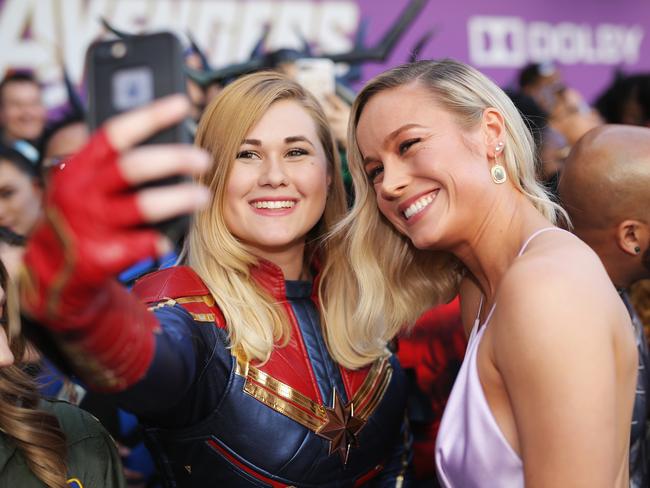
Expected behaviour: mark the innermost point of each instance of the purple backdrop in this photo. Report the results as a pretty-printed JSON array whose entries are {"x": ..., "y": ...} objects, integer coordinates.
[
  {"x": 589, "y": 39},
  {"x": 582, "y": 25}
]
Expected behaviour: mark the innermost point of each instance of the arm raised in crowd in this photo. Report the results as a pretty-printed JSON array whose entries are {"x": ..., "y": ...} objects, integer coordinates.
[{"x": 94, "y": 227}]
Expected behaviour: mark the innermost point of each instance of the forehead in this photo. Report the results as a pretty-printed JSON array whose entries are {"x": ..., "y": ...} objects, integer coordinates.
[
  {"x": 391, "y": 109},
  {"x": 283, "y": 119},
  {"x": 67, "y": 140},
  {"x": 9, "y": 174},
  {"x": 20, "y": 89}
]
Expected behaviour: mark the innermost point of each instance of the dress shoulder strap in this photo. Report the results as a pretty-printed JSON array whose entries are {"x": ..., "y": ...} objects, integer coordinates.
[{"x": 535, "y": 234}]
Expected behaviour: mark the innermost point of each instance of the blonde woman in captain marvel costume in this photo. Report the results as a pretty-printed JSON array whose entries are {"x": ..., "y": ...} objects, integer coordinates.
[
  {"x": 446, "y": 201},
  {"x": 243, "y": 370}
]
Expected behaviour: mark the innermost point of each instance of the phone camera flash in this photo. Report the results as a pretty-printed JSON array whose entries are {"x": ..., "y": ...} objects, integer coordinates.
[{"x": 118, "y": 50}]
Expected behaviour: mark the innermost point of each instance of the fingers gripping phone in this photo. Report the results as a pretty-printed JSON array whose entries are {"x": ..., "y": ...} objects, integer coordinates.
[{"x": 124, "y": 74}]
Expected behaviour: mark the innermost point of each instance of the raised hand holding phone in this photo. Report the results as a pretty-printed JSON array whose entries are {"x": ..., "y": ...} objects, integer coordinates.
[
  {"x": 124, "y": 74},
  {"x": 98, "y": 206}
]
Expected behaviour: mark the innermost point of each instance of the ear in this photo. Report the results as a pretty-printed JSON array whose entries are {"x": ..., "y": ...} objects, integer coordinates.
[
  {"x": 494, "y": 131},
  {"x": 632, "y": 235}
]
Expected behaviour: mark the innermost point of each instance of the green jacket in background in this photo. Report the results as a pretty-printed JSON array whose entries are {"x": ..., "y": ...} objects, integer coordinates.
[{"x": 93, "y": 461}]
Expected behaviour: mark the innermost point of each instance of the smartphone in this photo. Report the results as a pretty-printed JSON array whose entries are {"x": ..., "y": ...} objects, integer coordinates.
[
  {"x": 124, "y": 74},
  {"x": 316, "y": 75}
]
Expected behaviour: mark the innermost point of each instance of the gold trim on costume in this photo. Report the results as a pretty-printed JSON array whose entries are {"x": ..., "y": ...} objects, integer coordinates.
[
  {"x": 207, "y": 299},
  {"x": 375, "y": 371},
  {"x": 284, "y": 391},
  {"x": 368, "y": 403},
  {"x": 203, "y": 317},
  {"x": 302, "y": 409},
  {"x": 278, "y": 404},
  {"x": 165, "y": 303}
]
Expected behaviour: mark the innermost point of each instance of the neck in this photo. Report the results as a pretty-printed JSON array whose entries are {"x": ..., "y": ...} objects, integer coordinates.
[
  {"x": 622, "y": 276},
  {"x": 489, "y": 250},
  {"x": 289, "y": 259}
]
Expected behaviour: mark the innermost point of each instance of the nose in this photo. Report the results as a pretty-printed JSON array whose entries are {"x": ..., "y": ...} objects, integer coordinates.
[
  {"x": 395, "y": 180},
  {"x": 274, "y": 173}
]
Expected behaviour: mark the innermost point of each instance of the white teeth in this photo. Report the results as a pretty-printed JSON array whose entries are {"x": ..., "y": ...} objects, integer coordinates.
[
  {"x": 274, "y": 204},
  {"x": 418, "y": 206}
]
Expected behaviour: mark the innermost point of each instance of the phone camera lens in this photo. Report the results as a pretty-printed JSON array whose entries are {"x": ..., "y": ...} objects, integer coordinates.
[{"x": 118, "y": 50}]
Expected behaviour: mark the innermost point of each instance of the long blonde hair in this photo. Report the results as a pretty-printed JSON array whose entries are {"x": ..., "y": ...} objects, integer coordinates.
[
  {"x": 255, "y": 321},
  {"x": 394, "y": 281},
  {"x": 36, "y": 433}
]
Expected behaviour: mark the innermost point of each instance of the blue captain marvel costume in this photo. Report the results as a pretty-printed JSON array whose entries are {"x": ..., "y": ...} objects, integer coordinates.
[
  {"x": 213, "y": 418},
  {"x": 272, "y": 425}
]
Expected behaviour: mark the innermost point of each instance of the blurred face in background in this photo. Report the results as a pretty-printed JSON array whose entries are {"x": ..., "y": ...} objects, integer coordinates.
[
  {"x": 20, "y": 199},
  {"x": 572, "y": 116},
  {"x": 22, "y": 113},
  {"x": 64, "y": 143}
]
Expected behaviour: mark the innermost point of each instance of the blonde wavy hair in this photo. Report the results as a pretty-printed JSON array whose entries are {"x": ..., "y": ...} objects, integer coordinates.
[
  {"x": 394, "y": 282},
  {"x": 255, "y": 321},
  {"x": 36, "y": 433}
]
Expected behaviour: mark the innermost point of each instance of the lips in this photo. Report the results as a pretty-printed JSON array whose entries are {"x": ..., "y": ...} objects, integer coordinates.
[
  {"x": 415, "y": 205},
  {"x": 273, "y": 205}
]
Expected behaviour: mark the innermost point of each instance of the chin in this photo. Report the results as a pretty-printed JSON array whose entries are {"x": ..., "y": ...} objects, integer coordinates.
[{"x": 425, "y": 242}]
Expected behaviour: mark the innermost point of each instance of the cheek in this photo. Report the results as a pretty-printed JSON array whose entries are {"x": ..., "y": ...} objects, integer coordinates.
[
  {"x": 25, "y": 200},
  {"x": 240, "y": 182},
  {"x": 312, "y": 181},
  {"x": 383, "y": 206}
]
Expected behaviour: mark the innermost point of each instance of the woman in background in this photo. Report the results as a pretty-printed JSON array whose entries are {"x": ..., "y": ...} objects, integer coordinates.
[
  {"x": 242, "y": 369},
  {"x": 45, "y": 443}
]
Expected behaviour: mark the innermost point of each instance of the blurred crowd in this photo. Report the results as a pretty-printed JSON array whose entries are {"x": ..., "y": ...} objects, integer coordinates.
[{"x": 33, "y": 146}]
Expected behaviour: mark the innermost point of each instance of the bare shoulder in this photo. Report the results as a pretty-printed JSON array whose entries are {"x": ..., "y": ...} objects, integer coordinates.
[{"x": 559, "y": 286}]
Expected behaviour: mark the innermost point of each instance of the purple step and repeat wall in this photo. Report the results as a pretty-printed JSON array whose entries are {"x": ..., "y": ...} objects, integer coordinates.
[{"x": 588, "y": 40}]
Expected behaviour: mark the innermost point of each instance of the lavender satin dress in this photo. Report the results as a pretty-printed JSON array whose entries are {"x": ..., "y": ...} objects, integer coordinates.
[{"x": 471, "y": 450}]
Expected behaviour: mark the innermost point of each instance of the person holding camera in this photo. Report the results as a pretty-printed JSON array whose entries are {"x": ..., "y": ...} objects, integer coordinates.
[{"x": 243, "y": 369}]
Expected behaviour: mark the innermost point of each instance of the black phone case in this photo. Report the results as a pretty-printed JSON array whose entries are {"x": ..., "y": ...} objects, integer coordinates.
[{"x": 162, "y": 54}]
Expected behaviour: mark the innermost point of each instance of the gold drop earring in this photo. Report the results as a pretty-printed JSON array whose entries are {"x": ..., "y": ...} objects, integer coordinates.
[{"x": 498, "y": 172}]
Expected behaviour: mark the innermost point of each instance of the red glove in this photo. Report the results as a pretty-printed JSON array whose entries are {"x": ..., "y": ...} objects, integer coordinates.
[{"x": 88, "y": 235}]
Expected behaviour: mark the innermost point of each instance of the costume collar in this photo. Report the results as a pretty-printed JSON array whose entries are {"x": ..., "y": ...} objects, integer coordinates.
[{"x": 270, "y": 277}]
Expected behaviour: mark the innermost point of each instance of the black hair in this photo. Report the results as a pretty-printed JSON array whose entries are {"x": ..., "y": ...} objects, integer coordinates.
[
  {"x": 534, "y": 116},
  {"x": 17, "y": 76},
  {"x": 532, "y": 72},
  {"x": 8, "y": 236},
  {"x": 20, "y": 161},
  {"x": 69, "y": 118},
  {"x": 623, "y": 91}
]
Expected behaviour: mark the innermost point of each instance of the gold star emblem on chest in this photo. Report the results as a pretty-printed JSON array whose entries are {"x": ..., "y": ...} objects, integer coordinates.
[{"x": 342, "y": 427}]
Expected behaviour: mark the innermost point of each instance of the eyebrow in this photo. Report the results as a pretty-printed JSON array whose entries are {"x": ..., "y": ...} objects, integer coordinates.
[
  {"x": 397, "y": 131},
  {"x": 287, "y": 140},
  {"x": 291, "y": 139},
  {"x": 390, "y": 137},
  {"x": 252, "y": 142}
]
